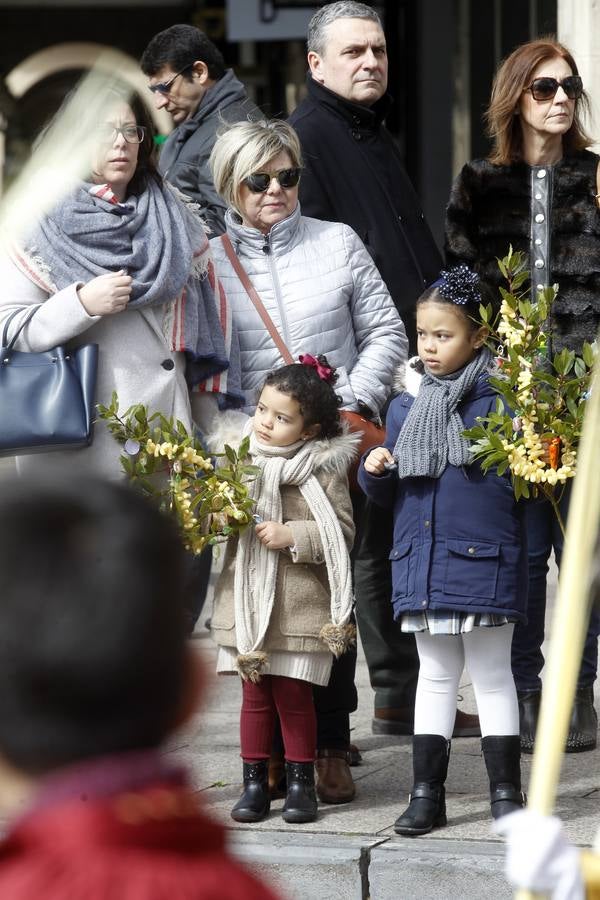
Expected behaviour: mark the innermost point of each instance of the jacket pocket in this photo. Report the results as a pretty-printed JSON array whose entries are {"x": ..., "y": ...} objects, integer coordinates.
[
  {"x": 303, "y": 605},
  {"x": 400, "y": 558},
  {"x": 472, "y": 569}
]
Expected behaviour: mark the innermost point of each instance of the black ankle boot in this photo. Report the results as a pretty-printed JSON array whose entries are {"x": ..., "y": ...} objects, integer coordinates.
[
  {"x": 502, "y": 756},
  {"x": 529, "y": 711},
  {"x": 300, "y": 800},
  {"x": 255, "y": 802},
  {"x": 427, "y": 806},
  {"x": 583, "y": 727}
]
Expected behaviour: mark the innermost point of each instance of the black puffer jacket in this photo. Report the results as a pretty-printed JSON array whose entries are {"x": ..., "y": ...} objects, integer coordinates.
[
  {"x": 489, "y": 209},
  {"x": 353, "y": 174}
]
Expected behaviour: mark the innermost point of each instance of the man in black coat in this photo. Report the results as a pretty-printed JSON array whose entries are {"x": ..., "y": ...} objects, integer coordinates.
[{"x": 353, "y": 173}]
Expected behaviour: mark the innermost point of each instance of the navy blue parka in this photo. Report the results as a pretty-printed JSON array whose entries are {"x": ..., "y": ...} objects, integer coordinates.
[{"x": 459, "y": 540}]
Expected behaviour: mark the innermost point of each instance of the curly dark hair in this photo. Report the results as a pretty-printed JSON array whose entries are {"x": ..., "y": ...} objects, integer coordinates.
[{"x": 319, "y": 404}]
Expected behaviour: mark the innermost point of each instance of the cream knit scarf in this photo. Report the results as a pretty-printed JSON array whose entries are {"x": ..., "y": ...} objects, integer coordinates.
[{"x": 256, "y": 565}]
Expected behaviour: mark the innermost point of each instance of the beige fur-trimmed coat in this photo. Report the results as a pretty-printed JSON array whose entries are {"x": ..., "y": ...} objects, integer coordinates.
[{"x": 302, "y": 602}]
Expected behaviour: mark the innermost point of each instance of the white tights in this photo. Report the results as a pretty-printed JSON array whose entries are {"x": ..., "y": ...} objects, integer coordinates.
[{"x": 485, "y": 652}]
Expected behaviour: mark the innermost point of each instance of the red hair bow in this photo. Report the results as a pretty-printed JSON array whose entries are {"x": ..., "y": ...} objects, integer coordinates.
[{"x": 325, "y": 373}]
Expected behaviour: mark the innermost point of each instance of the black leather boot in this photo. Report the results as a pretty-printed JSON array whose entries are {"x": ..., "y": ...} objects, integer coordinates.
[
  {"x": 255, "y": 802},
  {"x": 529, "y": 711},
  {"x": 300, "y": 800},
  {"x": 502, "y": 756},
  {"x": 427, "y": 800},
  {"x": 583, "y": 727}
]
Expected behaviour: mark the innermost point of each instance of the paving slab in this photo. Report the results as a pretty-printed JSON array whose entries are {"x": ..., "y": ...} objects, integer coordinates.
[
  {"x": 309, "y": 865},
  {"x": 444, "y": 869},
  {"x": 352, "y": 849}
]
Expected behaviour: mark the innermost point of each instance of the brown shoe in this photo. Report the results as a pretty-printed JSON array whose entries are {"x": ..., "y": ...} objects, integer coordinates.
[
  {"x": 334, "y": 778},
  {"x": 466, "y": 725},
  {"x": 393, "y": 720},
  {"x": 354, "y": 755},
  {"x": 277, "y": 779},
  {"x": 390, "y": 720}
]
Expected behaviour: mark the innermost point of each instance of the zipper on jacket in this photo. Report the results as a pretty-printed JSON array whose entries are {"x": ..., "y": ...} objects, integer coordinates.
[{"x": 277, "y": 291}]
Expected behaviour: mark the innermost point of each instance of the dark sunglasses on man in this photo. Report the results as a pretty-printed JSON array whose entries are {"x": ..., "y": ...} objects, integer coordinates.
[
  {"x": 545, "y": 88},
  {"x": 259, "y": 182},
  {"x": 163, "y": 87}
]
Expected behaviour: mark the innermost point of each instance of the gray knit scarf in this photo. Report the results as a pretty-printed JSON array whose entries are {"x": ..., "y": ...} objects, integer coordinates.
[
  {"x": 157, "y": 241},
  {"x": 431, "y": 437}
]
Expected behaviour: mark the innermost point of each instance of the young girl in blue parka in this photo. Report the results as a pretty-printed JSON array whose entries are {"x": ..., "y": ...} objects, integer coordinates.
[{"x": 459, "y": 563}]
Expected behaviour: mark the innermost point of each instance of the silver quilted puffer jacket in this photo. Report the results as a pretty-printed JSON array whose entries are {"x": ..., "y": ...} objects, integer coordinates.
[{"x": 324, "y": 295}]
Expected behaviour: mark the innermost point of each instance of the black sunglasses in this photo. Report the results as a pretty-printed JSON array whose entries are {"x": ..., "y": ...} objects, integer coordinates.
[
  {"x": 259, "y": 182},
  {"x": 545, "y": 88},
  {"x": 163, "y": 87}
]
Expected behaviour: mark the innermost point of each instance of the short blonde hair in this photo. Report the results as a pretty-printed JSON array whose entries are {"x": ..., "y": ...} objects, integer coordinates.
[{"x": 247, "y": 147}]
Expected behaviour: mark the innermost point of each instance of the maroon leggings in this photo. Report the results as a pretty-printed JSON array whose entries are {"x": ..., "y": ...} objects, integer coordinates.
[{"x": 290, "y": 699}]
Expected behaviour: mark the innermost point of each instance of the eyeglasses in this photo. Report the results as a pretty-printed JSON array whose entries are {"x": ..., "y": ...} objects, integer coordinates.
[
  {"x": 546, "y": 88},
  {"x": 259, "y": 182},
  {"x": 133, "y": 134},
  {"x": 163, "y": 87}
]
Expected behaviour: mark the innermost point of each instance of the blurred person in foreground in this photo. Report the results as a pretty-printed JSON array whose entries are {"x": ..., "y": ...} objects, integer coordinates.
[{"x": 96, "y": 673}]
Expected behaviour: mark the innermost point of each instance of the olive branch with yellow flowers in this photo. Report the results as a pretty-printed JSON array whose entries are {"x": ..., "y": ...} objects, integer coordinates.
[
  {"x": 170, "y": 465},
  {"x": 535, "y": 430}
]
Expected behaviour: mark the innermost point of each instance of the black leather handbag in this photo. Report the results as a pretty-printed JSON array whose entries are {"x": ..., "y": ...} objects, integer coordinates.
[{"x": 46, "y": 399}]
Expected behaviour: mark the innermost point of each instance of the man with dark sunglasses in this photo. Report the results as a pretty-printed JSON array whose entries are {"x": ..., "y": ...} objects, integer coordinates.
[
  {"x": 188, "y": 78},
  {"x": 353, "y": 173}
]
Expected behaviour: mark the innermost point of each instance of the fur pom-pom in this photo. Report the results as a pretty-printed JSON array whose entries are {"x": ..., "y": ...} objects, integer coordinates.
[
  {"x": 252, "y": 665},
  {"x": 338, "y": 638}
]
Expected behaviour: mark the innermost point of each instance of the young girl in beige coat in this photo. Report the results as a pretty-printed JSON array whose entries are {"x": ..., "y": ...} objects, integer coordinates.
[{"x": 284, "y": 599}]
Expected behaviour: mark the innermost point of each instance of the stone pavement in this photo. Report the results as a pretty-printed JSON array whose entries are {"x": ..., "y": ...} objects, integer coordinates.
[{"x": 351, "y": 851}]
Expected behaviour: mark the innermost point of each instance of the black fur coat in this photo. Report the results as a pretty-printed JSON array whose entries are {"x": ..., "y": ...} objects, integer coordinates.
[{"x": 489, "y": 209}]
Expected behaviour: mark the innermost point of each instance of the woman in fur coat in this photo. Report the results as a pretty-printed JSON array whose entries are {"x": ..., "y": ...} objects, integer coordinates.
[
  {"x": 537, "y": 191},
  {"x": 284, "y": 598}
]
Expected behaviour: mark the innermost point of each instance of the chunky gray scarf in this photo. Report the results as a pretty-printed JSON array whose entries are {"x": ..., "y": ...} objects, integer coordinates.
[
  {"x": 431, "y": 437},
  {"x": 157, "y": 241}
]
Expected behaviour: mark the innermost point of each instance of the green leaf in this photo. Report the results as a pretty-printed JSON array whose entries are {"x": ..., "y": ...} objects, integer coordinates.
[{"x": 588, "y": 354}]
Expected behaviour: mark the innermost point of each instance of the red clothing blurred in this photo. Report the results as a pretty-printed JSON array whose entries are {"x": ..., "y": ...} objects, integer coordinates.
[{"x": 121, "y": 829}]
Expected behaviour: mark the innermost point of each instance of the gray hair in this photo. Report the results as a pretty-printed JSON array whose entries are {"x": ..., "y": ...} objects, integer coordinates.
[
  {"x": 247, "y": 147},
  {"x": 342, "y": 9}
]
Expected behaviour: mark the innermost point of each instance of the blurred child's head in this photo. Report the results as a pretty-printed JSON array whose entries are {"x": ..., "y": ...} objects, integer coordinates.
[
  {"x": 448, "y": 333},
  {"x": 298, "y": 402},
  {"x": 93, "y": 657}
]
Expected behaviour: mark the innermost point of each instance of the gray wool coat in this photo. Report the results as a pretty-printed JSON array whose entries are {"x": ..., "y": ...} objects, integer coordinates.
[{"x": 302, "y": 600}]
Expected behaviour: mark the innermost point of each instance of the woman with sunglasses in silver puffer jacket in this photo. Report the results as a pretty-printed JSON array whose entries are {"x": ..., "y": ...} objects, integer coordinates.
[
  {"x": 325, "y": 296},
  {"x": 316, "y": 280},
  {"x": 537, "y": 192}
]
